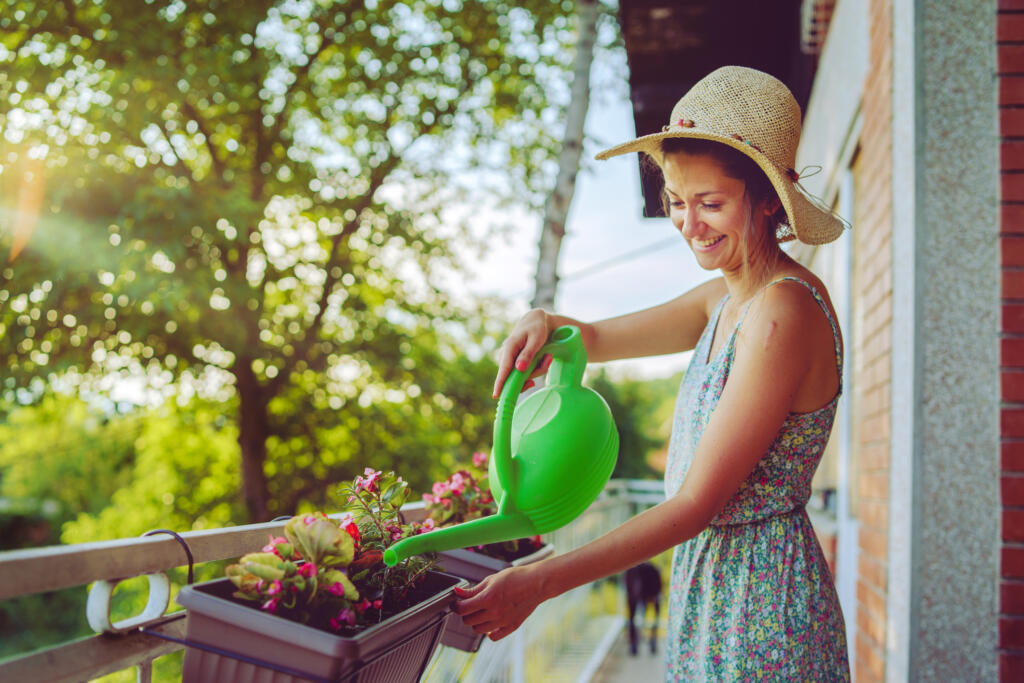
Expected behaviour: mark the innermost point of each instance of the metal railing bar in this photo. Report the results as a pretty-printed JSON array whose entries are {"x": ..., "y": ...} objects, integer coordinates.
[
  {"x": 94, "y": 656},
  {"x": 79, "y": 564}
]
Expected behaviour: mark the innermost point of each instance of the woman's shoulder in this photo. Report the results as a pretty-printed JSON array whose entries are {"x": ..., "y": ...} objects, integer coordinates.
[
  {"x": 710, "y": 293},
  {"x": 792, "y": 302}
]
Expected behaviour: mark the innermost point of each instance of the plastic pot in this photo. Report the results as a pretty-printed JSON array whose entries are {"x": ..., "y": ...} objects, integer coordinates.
[
  {"x": 230, "y": 642},
  {"x": 475, "y": 567}
]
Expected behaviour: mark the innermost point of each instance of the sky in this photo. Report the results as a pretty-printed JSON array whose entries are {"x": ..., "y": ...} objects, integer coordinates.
[{"x": 605, "y": 222}]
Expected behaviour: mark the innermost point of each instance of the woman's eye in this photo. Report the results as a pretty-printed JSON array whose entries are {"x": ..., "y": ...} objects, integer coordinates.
[{"x": 712, "y": 206}]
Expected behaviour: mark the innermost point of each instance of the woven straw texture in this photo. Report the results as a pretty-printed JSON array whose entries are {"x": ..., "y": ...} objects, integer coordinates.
[{"x": 756, "y": 114}]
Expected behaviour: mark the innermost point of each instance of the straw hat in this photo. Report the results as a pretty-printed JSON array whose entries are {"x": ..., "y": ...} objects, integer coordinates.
[{"x": 756, "y": 114}]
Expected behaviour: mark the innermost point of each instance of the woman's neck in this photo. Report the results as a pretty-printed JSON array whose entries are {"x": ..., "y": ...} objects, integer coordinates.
[{"x": 744, "y": 283}]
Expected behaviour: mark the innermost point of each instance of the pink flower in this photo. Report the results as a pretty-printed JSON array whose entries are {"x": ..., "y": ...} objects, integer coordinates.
[
  {"x": 270, "y": 605},
  {"x": 396, "y": 531},
  {"x": 337, "y": 588},
  {"x": 440, "y": 488},
  {"x": 480, "y": 459},
  {"x": 458, "y": 483},
  {"x": 271, "y": 547},
  {"x": 428, "y": 525},
  {"x": 368, "y": 482},
  {"x": 345, "y": 616},
  {"x": 364, "y": 605},
  {"x": 429, "y": 499},
  {"x": 275, "y": 587},
  {"x": 377, "y": 604},
  {"x": 307, "y": 570}
]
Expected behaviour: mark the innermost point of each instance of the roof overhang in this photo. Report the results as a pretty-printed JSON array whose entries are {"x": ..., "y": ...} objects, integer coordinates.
[{"x": 671, "y": 44}]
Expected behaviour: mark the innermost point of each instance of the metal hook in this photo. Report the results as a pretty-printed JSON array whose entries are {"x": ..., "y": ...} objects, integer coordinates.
[{"x": 181, "y": 541}]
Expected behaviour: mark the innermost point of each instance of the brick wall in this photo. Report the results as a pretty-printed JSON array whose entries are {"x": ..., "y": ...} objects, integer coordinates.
[
  {"x": 872, "y": 283},
  {"x": 1010, "y": 40}
]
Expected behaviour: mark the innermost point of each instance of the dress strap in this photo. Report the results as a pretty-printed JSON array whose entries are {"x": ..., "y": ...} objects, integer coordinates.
[{"x": 824, "y": 307}]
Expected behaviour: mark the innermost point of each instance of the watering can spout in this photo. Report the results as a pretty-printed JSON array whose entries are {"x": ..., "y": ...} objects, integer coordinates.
[{"x": 476, "y": 532}]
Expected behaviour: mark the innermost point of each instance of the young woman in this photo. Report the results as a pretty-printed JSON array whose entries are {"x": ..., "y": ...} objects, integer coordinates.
[{"x": 750, "y": 596}]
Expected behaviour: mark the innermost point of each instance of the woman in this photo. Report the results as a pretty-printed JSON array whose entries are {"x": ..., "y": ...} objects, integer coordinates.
[{"x": 750, "y": 596}]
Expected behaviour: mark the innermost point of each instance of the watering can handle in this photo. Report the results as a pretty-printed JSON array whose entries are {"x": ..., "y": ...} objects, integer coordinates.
[{"x": 569, "y": 360}]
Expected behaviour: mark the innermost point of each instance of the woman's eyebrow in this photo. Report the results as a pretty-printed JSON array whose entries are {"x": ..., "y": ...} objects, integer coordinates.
[{"x": 698, "y": 194}]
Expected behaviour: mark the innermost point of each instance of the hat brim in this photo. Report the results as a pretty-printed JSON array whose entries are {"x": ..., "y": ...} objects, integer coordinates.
[{"x": 810, "y": 223}]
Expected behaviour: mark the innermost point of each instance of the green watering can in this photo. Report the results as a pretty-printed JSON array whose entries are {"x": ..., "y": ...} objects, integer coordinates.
[{"x": 552, "y": 456}]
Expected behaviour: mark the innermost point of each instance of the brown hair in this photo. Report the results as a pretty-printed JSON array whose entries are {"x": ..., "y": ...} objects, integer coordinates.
[{"x": 758, "y": 191}]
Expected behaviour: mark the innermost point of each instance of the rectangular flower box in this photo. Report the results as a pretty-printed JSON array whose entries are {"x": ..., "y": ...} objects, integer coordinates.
[
  {"x": 475, "y": 567},
  {"x": 230, "y": 642}
]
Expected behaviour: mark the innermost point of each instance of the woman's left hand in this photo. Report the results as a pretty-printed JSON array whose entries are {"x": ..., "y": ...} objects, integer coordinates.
[{"x": 500, "y": 603}]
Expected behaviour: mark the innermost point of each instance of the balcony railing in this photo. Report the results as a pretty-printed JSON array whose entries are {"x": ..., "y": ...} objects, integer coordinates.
[{"x": 565, "y": 639}]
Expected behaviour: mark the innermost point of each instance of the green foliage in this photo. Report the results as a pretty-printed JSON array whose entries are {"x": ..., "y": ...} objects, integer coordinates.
[
  {"x": 184, "y": 477},
  {"x": 642, "y": 410},
  {"x": 248, "y": 198},
  {"x": 61, "y": 458}
]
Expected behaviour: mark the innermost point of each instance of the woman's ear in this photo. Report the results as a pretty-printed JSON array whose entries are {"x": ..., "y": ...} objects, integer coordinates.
[{"x": 771, "y": 206}]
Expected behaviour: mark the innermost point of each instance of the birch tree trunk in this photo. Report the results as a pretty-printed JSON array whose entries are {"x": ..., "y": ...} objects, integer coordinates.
[{"x": 556, "y": 210}]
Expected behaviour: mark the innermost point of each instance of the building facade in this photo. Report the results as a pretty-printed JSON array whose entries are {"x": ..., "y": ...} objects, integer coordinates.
[{"x": 916, "y": 116}]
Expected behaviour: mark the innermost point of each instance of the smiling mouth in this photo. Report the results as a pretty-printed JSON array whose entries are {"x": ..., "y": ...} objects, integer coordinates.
[{"x": 707, "y": 244}]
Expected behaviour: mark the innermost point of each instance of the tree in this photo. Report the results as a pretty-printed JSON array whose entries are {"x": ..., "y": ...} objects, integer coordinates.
[
  {"x": 248, "y": 198},
  {"x": 643, "y": 415},
  {"x": 556, "y": 210}
]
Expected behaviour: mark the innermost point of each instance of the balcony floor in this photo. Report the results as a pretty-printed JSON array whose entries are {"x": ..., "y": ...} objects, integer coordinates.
[{"x": 620, "y": 667}]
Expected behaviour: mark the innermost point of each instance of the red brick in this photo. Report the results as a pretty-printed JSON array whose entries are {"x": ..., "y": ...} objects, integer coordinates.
[
  {"x": 1013, "y": 317},
  {"x": 1011, "y": 59},
  {"x": 873, "y": 572},
  {"x": 872, "y": 627},
  {"x": 1012, "y": 215},
  {"x": 1011, "y": 598},
  {"x": 1012, "y": 384},
  {"x": 1010, "y": 27},
  {"x": 1009, "y": 5},
  {"x": 1012, "y": 251},
  {"x": 1011, "y": 422},
  {"x": 1012, "y": 489},
  {"x": 1011, "y": 565},
  {"x": 1012, "y": 186},
  {"x": 1011, "y": 632},
  {"x": 873, "y": 514},
  {"x": 1012, "y": 456},
  {"x": 870, "y": 665},
  {"x": 1013, "y": 282},
  {"x": 1011, "y": 666},
  {"x": 875, "y": 543},
  {"x": 1011, "y": 91},
  {"x": 1011, "y": 353},
  {"x": 1011, "y": 122},
  {"x": 1013, "y": 525},
  {"x": 1011, "y": 152}
]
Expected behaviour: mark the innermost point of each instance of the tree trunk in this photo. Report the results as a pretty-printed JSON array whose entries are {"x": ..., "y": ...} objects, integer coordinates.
[
  {"x": 556, "y": 210},
  {"x": 252, "y": 437}
]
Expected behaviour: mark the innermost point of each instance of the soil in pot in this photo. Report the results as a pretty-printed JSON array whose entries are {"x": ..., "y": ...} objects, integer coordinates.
[
  {"x": 501, "y": 551},
  {"x": 393, "y": 603}
]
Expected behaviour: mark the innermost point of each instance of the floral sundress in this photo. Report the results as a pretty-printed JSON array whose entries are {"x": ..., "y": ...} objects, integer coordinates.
[{"x": 751, "y": 597}]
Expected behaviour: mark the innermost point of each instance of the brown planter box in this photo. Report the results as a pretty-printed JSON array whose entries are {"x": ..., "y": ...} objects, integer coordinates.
[
  {"x": 234, "y": 643},
  {"x": 475, "y": 567}
]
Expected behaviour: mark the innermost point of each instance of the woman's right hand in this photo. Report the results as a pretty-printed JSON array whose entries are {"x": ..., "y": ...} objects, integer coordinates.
[{"x": 521, "y": 345}]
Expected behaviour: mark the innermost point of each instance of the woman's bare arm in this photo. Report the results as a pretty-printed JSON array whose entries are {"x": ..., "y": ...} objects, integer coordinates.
[
  {"x": 771, "y": 363},
  {"x": 670, "y": 327}
]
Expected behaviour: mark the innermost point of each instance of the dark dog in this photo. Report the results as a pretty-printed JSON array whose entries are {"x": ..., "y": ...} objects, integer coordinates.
[{"x": 643, "y": 587}]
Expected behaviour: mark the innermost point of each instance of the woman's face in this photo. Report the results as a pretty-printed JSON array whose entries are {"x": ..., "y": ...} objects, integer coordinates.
[{"x": 709, "y": 208}]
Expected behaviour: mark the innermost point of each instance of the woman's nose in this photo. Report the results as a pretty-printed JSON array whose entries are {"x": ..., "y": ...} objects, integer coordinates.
[{"x": 690, "y": 222}]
